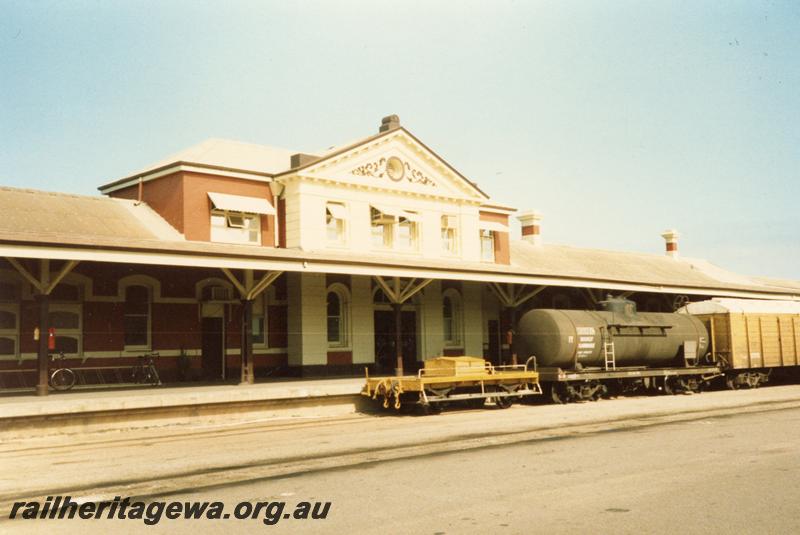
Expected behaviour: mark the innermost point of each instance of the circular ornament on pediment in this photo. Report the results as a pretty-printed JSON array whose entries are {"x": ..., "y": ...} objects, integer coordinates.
[{"x": 395, "y": 168}]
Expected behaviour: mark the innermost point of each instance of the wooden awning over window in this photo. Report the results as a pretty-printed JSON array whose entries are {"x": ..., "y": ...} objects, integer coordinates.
[
  {"x": 240, "y": 203},
  {"x": 396, "y": 212},
  {"x": 494, "y": 226},
  {"x": 338, "y": 211}
]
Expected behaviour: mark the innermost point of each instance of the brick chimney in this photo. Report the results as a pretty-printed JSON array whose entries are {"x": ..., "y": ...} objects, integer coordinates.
[
  {"x": 671, "y": 239},
  {"x": 390, "y": 122},
  {"x": 530, "y": 226}
]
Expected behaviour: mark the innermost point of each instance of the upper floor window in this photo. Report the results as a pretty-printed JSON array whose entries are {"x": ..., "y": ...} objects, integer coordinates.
[
  {"x": 137, "y": 317},
  {"x": 382, "y": 230},
  {"x": 449, "y": 234},
  {"x": 235, "y": 227},
  {"x": 338, "y": 307},
  {"x": 407, "y": 231},
  {"x": 394, "y": 228},
  {"x": 335, "y": 216},
  {"x": 487, "y": 245}
]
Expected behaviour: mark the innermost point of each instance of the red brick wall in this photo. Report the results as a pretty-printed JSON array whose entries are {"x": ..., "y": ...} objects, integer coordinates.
[
  {"x": 175, "y": 326},
  {"x": 103, "y": 326},
  {"x": 197, "y": 205},
  {"x": 502, "y": 249},
  {"x": 164, "y": 195},
  {"x": 182, "y": 200},
  {"x": 340, "y": 358}
]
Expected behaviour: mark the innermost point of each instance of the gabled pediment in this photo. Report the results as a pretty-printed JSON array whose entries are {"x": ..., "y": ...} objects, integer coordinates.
[{"x": 395, "y": 161}]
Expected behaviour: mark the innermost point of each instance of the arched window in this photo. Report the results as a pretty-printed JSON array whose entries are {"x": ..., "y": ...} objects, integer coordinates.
[
  {"x": 338, "y": 307},
  {"x": 452, "y": 319},
  {"x": 137, "y": 317}
]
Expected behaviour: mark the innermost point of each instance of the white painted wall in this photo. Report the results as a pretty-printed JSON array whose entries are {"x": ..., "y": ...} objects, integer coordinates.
[
  {"x": 362, "y": 320},
  {"x": 473, "y": 319},
  {"x": 431, "y": 310},
  {"x": 307, "y": 320}
]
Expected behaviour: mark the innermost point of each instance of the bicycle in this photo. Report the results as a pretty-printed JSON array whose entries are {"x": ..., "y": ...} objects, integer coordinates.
[
  {"x": 62, "y": 378},
  {"x": 145, "y": 372}
]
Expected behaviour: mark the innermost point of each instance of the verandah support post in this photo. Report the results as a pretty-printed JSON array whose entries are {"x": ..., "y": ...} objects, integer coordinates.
[
  {"x": 43, "y": 285},
  {"x": 248, "y": 371},
  {"x": 398, "y": 339},
  {"x": 511, "y": 297},
  {"x": 42, "y": 386},
  {"x": 249, "y": 290}
]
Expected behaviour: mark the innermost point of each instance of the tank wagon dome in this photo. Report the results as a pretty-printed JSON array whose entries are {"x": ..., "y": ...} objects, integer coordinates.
[{"x": 743, "y": 306}]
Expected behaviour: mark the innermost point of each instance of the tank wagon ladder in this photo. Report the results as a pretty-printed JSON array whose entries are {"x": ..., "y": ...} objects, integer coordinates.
[{"x": 609, "y": 355}]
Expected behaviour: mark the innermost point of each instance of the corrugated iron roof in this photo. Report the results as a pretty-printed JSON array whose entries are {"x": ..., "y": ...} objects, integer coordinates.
[
  {"x": 40, "y": 218},
  {"x": 225, "y": 154},
  {"x": 37, "y": 216}
]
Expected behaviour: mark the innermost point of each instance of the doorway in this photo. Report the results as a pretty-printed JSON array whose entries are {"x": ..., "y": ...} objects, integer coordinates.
[
  {"x": 493, "y": 349},
  {"x": 385, "y": 353},
  {"x": 213, "y": 348}
]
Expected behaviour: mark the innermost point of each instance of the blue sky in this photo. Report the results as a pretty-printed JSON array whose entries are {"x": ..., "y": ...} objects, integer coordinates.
[{"x": 616, "y": 120}]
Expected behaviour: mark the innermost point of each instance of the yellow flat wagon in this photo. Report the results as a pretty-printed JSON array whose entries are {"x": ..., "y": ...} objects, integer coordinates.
[
  {"x": 749, "y": 338},
  {"x": 469, "y": 380}
]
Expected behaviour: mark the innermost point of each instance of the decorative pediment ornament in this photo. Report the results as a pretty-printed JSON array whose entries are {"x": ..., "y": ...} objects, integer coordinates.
[{"x": 395, "y": 169}]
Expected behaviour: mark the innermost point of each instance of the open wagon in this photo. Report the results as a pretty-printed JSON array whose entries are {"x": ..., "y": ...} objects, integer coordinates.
[{"x": 467, "y": 380}]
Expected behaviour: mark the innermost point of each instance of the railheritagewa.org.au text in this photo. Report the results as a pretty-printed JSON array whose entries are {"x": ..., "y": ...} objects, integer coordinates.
[{"x": 153, "y": 512}]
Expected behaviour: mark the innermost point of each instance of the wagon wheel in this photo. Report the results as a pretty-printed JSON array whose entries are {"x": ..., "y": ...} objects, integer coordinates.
[
  {"x": 503, "y": 402},
  {"x": 557, "y": 395},
  {"x": 730, "y": 382},
  {"x": 431, "y": 408}
]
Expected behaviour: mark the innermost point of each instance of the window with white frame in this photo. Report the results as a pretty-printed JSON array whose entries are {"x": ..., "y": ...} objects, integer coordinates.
[
  {"x": 338, "y": 316},
  {"x": 137, "y": 317},
  {"x": 487, "y": 245},
  {"x": 9, "y": 329},
  {"x": 394, "y": 228},
  {"x": 66, "y": 321},
  {"x": 449, "y": 234},
  {"x": 335, "y": 217},
  {"x": 235, "y": 227},
  {"x": 407, "y": 231},
  {"x": 382, "y": 230},
  {"x": 452, "y": 317}
]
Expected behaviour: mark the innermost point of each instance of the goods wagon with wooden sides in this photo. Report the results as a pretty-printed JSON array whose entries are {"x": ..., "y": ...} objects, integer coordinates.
[{"x": 750, "y": 338}]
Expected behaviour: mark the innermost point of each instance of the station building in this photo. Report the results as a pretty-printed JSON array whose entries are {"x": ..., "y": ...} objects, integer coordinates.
[{"x": 235, "y": 261}]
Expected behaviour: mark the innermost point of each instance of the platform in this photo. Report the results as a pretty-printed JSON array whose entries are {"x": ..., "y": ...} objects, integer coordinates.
[{"x": 76, "y": 411}]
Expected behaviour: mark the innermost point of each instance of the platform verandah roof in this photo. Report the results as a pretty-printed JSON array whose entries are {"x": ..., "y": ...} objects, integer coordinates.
[{"x": 59, "y": 226}]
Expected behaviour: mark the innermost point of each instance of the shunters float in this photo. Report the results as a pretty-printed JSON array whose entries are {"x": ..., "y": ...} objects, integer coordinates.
[{"x": 468, "y": 380}]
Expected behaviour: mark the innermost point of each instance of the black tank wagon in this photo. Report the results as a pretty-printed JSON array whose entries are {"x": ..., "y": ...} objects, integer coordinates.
[{"x": 583, "y": 355}]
